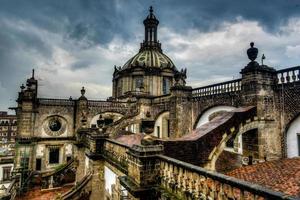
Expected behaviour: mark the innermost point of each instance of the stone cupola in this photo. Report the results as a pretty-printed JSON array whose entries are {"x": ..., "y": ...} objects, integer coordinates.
[{"x": 150, "y": 72}]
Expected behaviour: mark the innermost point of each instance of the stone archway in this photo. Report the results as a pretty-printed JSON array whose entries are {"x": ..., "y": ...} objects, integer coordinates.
[
  {"x": 237, "y": 153},
  {"x": 293, "y": 138},
  {"x": 162, "y": 125},
  {"x": 210, "y": 113}
]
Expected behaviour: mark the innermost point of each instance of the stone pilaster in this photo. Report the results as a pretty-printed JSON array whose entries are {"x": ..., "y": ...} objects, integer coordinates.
[
  {"x": 258, "y": 83},
  {"x": 80, "y": 160},
  {"x": 258, "y": 88},
  {"x": 26, "y": 114},
  {"x": 81, "y": 111},
  {"x": 143, "y": 170},
  {"x": 98, "y": 181},
  {"x": 180, "y": 111}
]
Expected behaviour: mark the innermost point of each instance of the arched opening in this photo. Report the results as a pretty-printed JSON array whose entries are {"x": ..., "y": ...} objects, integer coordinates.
[
  {"x": 240, "y": 148},
  {"x": 293, "y": 138},
  {"x": 250, "y": 145},
  {"x": 246, "y": 144},
  {"x": 106, "y": 118},
  {"x": 210, "y": 113},
  {"x": 134, "y": 128},
  {"x": 162, "y": 126}
]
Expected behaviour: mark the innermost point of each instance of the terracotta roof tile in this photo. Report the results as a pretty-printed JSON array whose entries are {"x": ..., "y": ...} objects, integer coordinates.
[
  {"x": 280, "y": 175},
  {"x": 131, "y": 139}
]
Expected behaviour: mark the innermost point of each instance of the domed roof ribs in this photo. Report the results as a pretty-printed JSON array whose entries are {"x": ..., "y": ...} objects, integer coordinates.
[
  {"x": 150, "y": 54},
  {"x": 150, "y": 41}
]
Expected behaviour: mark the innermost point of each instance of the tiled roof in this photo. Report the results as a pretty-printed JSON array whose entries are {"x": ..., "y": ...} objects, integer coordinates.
[
  {"x": 38, "y": 194},
  {"x": 280, "y": 175},
  {"x": 130, "y": 140}
]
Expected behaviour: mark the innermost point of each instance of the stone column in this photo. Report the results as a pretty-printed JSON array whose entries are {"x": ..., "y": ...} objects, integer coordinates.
[
  {"x": 180, "y": 111},
  {"x": 258, "y": 83},
  {"x": 97, "y": 181},
  {"x": 26, "y": 115},
  {"x": 81, "y": 111},
  {"x": 143, "y": 170},
  {"x": 80, "y": 162}
]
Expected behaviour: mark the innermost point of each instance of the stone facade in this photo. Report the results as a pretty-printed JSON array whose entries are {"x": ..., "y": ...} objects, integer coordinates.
[{"x": 53, "y": 131}]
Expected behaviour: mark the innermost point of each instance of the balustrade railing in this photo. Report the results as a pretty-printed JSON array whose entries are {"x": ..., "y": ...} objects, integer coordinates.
[
  {"x": 289, "y": 75},
  {"x": 219, "y": 88},
  {"x": 116, "y": 154},
  {"x": 92, "y": 103},
  {"x": 56, "y": 178},
  {"x": 106, "y": 104},
  {"x": 76, "y": 192},
  {"x": 193, "y": 182},
  {"x": 56, "y": 102},
  {"x": 161, "y": 99},
  {"x": 11, "y": 191}
]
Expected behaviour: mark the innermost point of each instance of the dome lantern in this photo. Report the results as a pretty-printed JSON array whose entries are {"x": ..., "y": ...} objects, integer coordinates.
[{"x": 150, "y": 24}]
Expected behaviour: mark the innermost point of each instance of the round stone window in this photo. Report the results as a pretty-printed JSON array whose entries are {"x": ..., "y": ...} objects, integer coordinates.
[{"x": 54, "y": 124}]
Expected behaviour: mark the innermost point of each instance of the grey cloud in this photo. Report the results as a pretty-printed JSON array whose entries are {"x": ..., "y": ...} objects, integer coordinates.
[
  {"x": 98, "y": 22},
  {"x": 81, "y": 64}
]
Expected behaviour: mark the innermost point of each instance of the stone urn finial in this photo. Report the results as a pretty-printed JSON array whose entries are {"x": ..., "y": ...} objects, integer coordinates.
[
  {"x": 22, "y": 87},
  {"x": 252, "y": 52},
  {"x": 82, "y": 91}
]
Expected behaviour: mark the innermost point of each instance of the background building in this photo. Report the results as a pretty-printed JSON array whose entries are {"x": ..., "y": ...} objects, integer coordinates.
[{"x": 8, "y": 131}]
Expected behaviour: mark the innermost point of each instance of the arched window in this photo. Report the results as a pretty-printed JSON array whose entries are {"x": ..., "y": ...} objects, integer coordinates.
[
  {"x": 139, "y": 82},
  {"x": 166, "y": 85}
]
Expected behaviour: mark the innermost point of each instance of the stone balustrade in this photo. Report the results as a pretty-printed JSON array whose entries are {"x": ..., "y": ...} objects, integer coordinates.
[
  {"x": 288, "y": 75},
  {"x": 56, "y": 177},
  {"x": 56, "y": 102},
  {"x": 81, "y": 190},
  {"x": 219, "y": 88},
  {"x": 187, "y": 181},
  {"x": 107, "y": 104},
  {"x": 11, "y": 191},
  {"x": 116, "y": 154},
  {"x": 161, "y": 99}
]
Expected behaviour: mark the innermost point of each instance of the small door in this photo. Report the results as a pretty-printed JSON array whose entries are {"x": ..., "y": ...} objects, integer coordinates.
[
  {"x": 158, "y": 131},
  {"x": 68, "y": 158},
  {"x": 38, "y": 164},
  {"x": 298, "y": 136}
]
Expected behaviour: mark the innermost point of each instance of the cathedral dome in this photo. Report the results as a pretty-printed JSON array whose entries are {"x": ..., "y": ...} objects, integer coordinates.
[
  {"x": 149, "y": 72},
  {"x": 150, "y": 58},
  {"x": 150, "y": 54}
]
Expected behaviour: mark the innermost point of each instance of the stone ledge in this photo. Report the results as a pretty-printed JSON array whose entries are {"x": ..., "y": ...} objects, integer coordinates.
[{"x": 135, "y": 189}]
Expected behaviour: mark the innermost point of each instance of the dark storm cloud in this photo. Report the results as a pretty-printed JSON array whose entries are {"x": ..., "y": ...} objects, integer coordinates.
[
  {"x": 208, "y": 15},
  {"x": 100, "y": 20},
  {"x": 25, "y": 26}
]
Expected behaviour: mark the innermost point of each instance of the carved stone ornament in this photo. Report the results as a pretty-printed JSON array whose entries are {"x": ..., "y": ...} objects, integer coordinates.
[
  {"x": 252, "y": 52},
  {"x": 54, "y": 126}
]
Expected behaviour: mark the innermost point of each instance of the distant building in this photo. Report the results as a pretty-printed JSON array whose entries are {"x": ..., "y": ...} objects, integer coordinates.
[
  {"x": 6, "y": 167},
  {"x": 8, "y": 127}
]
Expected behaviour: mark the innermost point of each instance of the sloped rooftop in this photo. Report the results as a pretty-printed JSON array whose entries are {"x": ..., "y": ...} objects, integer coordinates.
[{"x": 280, "y": 175}]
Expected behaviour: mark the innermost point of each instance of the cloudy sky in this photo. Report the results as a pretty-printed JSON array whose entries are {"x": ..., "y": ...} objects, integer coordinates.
[{"x": 75, "y": 43}]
